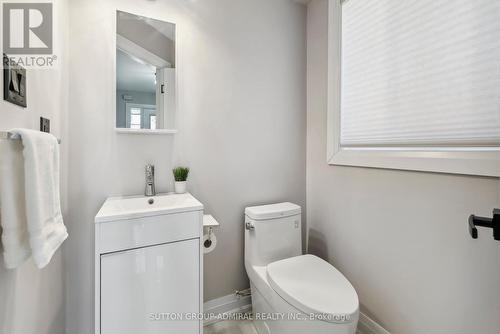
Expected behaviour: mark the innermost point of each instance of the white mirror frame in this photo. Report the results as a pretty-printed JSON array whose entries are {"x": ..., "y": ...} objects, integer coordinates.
[{"x": 484, "y": 161}]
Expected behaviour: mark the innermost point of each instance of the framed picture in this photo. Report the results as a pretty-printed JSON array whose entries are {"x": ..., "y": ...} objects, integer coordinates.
[{"x": 14, "y": 82}]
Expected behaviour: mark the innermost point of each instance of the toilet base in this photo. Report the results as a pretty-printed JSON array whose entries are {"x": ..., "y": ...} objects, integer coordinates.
[{"x": 262, "y": 306}]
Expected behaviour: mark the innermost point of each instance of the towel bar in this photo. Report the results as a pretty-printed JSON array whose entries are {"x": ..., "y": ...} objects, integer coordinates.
[{"x": 11, "y": 136}]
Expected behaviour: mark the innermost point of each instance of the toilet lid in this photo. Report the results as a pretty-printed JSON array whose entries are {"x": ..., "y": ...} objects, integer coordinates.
[{"x": 314, "y": 286}]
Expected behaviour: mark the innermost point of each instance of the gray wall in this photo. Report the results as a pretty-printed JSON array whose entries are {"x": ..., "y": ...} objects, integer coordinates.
[
  {"x": 137, "y": 97},
  {"x": 32, "y": 300},
  {"x": 241, "y": 120},
  {"x": 400, "y": 237}
]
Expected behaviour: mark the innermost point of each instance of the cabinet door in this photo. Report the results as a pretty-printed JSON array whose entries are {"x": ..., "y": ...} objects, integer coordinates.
[{"x": 141, "y": 286}]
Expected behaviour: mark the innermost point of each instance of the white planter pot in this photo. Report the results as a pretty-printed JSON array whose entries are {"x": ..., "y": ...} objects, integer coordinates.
[{"x": 180, "y": 187}]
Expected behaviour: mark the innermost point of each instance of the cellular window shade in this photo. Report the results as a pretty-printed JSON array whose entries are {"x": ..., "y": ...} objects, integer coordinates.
[{"x": 420, "y": 72}]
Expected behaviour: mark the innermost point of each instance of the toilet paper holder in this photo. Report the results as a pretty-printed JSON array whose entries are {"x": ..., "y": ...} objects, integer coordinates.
[
  {"x": 209, "y": 223},
  {"x": 207, "y": 243}
]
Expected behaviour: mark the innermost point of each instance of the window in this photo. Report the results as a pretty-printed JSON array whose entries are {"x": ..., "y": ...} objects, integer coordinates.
[
  {"x": 415, "y": 85},
  {"x": 140, "y": 116},
  {"x": 135, "y": 118}
]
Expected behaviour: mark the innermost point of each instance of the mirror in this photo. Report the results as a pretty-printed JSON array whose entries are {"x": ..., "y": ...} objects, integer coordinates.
[{"x": 145, "y": 73}]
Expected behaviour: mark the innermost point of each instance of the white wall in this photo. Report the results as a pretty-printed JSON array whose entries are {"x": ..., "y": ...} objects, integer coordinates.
[
  {"x": 241, "y": 120},
  {"x": 400, "y": 237},
  {"x": 32, "y": 300}
]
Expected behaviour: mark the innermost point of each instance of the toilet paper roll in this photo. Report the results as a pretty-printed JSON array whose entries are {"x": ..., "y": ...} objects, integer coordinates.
[{"x": 209, "y": 243}]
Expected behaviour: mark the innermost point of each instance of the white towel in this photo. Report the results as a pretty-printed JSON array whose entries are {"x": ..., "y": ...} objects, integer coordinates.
[
  {"x": 15, "y": 239},
  {"x": 45, "y": 225}
]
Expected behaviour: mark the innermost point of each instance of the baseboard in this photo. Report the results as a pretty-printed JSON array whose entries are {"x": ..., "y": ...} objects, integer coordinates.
[
  {"x": 226, "y": 305},
  {"x": 367, "y": 326},
  {"x": 232, "y": 304}
]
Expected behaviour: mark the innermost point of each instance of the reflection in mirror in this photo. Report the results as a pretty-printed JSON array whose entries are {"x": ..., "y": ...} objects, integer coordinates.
[{"x": 145, "y": 73}]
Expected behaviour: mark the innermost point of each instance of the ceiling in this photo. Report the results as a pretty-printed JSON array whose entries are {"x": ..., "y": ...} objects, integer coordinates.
[
  {"x": 164, "y": 28},
  {"x": 167, "y": 29},
  {"x": 133, "y": 74}
]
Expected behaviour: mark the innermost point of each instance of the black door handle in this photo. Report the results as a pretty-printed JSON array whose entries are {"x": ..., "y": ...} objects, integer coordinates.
[{"x": 493, "y": 223}]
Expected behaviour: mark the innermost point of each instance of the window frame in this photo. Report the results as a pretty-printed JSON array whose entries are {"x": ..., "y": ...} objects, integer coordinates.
[
  {"x": 142, "y": 107},
  {"x": 131, "y": 114},
  {"x": 151, "y": 117},
  {"x": 468, "y": 160}
]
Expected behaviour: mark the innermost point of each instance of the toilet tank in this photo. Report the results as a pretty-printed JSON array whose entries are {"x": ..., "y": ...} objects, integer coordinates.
[{"x": 272, "y": 233}]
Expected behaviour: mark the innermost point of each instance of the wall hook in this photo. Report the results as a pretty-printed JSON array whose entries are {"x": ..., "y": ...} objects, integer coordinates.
[{"x": 493, "y": 223}]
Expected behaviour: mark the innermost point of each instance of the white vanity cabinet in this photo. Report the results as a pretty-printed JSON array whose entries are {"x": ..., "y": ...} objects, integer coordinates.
[{"x": 148, "y": 265}]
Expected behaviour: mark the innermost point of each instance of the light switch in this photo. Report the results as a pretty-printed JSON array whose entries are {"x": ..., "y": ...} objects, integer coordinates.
[{"x": 44, "y": 124}]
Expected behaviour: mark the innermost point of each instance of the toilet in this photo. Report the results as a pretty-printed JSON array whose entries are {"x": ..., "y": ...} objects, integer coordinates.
[{"x": 293, "y": 293}]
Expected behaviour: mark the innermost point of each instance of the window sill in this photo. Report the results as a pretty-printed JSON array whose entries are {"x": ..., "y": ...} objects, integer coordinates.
[
  {"x": 145, "y": 131},
  {"x": 481, "y": 162}
]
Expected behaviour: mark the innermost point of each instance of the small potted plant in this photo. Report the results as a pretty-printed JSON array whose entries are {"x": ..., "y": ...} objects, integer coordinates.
[{"x": 180, "y": 177}]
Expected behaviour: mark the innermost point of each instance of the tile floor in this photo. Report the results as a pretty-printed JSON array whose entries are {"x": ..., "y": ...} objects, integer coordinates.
[
  {"x": 230, "y": 327},
  {"x": 235, "y": 327}
]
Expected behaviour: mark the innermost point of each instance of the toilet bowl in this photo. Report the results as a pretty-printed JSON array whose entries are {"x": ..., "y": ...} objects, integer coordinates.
[{"x": 293, "y": 293}]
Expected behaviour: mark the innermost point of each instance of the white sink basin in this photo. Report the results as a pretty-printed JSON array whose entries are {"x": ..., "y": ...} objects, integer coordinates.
[{"x": 120, "y": 208}]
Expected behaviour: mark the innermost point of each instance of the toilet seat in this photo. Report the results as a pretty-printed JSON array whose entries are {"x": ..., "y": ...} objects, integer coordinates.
[{"x": 314, "y": 286}]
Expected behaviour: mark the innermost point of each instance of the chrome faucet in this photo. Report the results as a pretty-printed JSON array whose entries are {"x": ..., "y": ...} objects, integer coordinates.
[{"x": 150, "y": 181}]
